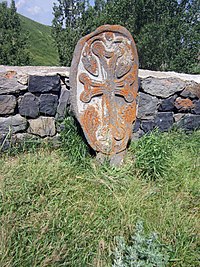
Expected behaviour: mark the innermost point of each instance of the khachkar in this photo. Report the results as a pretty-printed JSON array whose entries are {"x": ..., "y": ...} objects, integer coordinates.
[{"x": 104, "y": 84}]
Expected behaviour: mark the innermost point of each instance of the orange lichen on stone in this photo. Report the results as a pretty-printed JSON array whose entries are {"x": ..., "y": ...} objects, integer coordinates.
[
  {"x": 10, "y": 74},
  {"x": 183, "y": 104}
]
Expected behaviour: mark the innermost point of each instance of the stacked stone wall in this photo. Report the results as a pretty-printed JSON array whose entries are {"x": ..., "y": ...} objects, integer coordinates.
[{"x": 33, "y": 102}]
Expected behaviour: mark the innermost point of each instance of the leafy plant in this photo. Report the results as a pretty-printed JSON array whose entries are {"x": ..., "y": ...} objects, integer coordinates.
[{"x": 142, "y": 251}]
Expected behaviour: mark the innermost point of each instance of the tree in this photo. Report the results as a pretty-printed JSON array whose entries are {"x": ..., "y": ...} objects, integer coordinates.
[
  {"x": 167, "y": 33},
  {"x": 67, "y": 27},
  {"x": 13, "y": 43}
]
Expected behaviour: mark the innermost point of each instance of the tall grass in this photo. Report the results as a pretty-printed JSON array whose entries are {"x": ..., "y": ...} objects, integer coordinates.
[{"x": 56, "y": 213}]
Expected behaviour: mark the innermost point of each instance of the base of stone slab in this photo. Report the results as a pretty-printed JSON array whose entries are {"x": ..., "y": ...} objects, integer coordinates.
[{"x": 115, "y": 160}]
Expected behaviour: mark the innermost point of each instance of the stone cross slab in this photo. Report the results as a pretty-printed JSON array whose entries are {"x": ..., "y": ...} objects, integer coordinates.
[{"x": 104, "y": 84}]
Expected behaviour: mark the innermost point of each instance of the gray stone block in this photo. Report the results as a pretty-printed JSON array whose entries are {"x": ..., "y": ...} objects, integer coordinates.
[
  {"x": 12, "y": 124},
  {"x": 29, "y": 106},
  {"x": 7, "y": 104},
  {"x": 10, "y": 86},
  {"x": 147, "y": 106},
  {"x": 48, "y": 104},
  {"x": 189, "y": 122},
  {"x": 44, "y": 84},
  {"x": 162, "y": 87},
  {"x": 42, "y": 126},
  {"x": 196, "y": 109},
  {"x": 62, "y": 105}
]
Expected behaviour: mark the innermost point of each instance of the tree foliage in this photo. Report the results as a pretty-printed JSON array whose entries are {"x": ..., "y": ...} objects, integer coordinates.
[
  {"x": 13, "y": 42},
  {"x": 167, "y": 33}
]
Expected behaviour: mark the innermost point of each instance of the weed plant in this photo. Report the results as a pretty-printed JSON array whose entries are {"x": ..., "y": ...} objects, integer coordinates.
[
  {"x": 57, "y": 213},
  {"x": 140, "y": 251}
]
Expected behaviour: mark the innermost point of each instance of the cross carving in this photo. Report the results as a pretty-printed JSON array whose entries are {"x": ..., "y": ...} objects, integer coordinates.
[{"x": 121, "y": 87}]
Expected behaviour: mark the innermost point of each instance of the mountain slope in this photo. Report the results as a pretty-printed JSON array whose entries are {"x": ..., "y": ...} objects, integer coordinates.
[{"x": 41, "y": 46}]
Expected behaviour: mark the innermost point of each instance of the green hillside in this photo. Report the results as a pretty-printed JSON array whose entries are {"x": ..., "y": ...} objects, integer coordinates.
[{"x": 41, "y": 46}]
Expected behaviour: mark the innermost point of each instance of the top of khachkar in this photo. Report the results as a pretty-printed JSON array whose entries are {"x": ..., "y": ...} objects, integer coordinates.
[{"x": 104, "y": 82}]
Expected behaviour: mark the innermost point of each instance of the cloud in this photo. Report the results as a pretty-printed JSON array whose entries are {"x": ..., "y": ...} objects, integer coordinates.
[
  {"x": 34, "y": 10},
  {"x": 20, "y": 3}
]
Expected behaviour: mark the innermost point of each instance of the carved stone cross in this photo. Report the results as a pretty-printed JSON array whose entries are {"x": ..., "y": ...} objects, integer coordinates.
[{"x": 104, "y": 82}]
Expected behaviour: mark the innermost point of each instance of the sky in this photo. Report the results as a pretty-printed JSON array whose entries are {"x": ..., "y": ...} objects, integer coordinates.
[{"x": 38, "y": 10}]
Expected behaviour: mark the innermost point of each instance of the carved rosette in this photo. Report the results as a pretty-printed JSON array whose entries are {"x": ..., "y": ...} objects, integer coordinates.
[{"x": 104, "y": 82}]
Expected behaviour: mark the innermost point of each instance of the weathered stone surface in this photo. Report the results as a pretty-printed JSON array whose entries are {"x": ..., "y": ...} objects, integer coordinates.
[
  {"x": 147, "y": 106},
  {"x": 164, "y": 121},
  {"x": 29, "y": 106},
  {"x": 44, "y": 84},
  {"x": 62, "y": 105},
  {"x": 162, "y": 87},
  {"x": 178, "y": 116},
  {"x": 7, "y": 104},
  {"x": 192, "y": 90},
  {"x": 137, "y": 135},
  {"x": 104, "y": 82},
  {"x": 48, "y": 104},
  {"x": 196, "y": 108},
  {"x": 136, "y": 125},
  {"x": 36, "y": 70},
  {"x": 21, "y": 137},
  {"x": 183, "y": 104},
  {"x": 167, "y": 104},
  {"x": 168, "y": 74},
  {"x": 148, "y": 125},
  {"x": 190, "y": 122},
  {"x": 12, "y": 124},
  {"x": 10, "y": 86},
  {"x": 23, "y": 79},
  {"x": 42, "y": 126}
]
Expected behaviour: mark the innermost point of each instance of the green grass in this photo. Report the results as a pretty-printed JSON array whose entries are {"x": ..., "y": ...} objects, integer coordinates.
[
  {"x": 41, "y": 45},
  {"x": 56, "y": 213}
]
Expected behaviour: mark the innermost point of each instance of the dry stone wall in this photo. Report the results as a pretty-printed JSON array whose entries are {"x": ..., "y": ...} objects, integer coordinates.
[{"x": 33, "y": 102}]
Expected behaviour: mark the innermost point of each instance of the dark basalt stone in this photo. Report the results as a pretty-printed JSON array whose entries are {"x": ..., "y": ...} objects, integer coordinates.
[
  {"x": 48, "y": 104},
  {"x": 147, "y": 106},
  {"x": 196, "y": 109},
  {"x": 29, "y": 106},
  {"x": 190, "y": 122},
  {"x": 167, "y": 104},
  {"x": 147, "y": 126},
  {"x": 62, "y": 105},
  {"x": 44, "y": 84},
  {"x": 136, "y": 126},
  {"x": 164, "y": 121}
]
